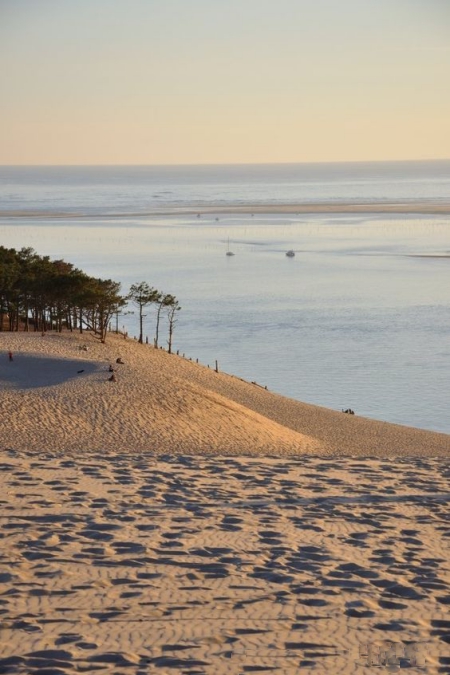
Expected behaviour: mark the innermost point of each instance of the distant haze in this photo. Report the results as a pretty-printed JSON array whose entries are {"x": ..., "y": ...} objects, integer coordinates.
[{"x": 209, "y": 81}]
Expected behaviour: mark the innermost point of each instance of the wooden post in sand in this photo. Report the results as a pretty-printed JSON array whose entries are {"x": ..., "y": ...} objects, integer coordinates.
[{"x": 217, "y": 367}]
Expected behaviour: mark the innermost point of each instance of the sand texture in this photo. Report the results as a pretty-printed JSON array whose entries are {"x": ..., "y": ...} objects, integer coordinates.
[
  {"x": 132, "y": 564},
  {"x": 184, "y": 522},
  {"x": 55, "y": 395}
]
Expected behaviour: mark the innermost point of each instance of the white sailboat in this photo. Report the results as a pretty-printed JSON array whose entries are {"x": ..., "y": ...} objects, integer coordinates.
[{"x": 228, "y": 248}]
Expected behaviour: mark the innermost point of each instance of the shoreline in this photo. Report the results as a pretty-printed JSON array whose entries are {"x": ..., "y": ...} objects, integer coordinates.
[{"x": 418, "y": 208}]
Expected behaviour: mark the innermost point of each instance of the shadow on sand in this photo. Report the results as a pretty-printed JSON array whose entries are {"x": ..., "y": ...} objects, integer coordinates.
[{"x": 30, "y": 371}]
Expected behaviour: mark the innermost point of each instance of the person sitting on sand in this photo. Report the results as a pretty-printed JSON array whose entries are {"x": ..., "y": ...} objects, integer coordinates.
[
  {"x": 111, "y": 369},
  {"x": 112, "y": 378},
  {"x": 119, "y": 360}
]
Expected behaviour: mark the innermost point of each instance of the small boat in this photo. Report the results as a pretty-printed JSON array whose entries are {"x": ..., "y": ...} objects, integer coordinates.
[
  {"x": 290, "y": 254},
  {"x": 230, "y": 253}
]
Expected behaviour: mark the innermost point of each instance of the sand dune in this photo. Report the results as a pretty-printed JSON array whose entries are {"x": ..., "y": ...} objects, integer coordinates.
[
  {"x": 187, "y": 564},
  {"x": 183, "y": 522},
  {"x": 55, "y": 395}
]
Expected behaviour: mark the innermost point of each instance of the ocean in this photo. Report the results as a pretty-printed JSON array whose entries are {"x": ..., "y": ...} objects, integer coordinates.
[{"x": 359, "y": 318}]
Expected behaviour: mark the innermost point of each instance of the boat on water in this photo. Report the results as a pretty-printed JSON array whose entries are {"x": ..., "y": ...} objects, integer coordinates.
[
  {"x": 290, "y": 254},
  {"x": 229, "y": 253}
]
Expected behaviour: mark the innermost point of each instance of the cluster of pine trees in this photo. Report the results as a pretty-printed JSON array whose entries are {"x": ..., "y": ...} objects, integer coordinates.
[{"x": 40, "y": 294}]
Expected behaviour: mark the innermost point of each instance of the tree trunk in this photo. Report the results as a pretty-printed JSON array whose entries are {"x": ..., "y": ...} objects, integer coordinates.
[
  {"x": 158, "y": 314},
  {"x": 141, "y": 320},
  {"x": 170, "y": 336},
  {"x": 27, "y": 320}
]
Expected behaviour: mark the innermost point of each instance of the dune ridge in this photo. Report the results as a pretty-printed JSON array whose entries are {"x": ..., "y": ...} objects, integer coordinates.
[
  {"x": 56, "y": 395},
  {"x": 163, "y": 403},
  {"x": 185, "y": 522}
]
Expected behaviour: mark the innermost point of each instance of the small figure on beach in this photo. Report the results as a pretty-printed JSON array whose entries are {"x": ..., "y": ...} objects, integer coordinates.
[
  {"x": 119, "y": 360},
  {"x": 349, "y": 411},
  {"x": 10, "y": 356},
  {"x": 111, "y": 369},
  {"x": 112, "y": 378},
  {"x": 80, "y": 371}
]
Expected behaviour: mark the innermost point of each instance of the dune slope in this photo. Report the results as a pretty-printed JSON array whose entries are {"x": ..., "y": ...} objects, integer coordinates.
[{"x": 56, "y": 395}]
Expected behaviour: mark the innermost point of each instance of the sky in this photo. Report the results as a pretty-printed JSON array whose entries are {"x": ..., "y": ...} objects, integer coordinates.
[{"x": 223, "y": 81}]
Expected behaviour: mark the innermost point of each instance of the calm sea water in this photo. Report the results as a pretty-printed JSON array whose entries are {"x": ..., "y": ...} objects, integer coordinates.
[
  {"x": 138, "y": 189},
  {"x": 359, "y": 318}
]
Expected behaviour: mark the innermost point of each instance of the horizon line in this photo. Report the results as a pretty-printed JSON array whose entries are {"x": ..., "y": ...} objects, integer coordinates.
[{"x": 192, "y": 164}]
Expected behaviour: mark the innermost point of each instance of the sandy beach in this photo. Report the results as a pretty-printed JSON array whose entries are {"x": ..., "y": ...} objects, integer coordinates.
[
  {"x": 413, "y": 207},
  {"x": 180, "y": 520}
]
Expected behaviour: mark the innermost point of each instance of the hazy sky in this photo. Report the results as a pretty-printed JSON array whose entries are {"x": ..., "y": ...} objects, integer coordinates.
[{"x": 210, "y": 81}]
